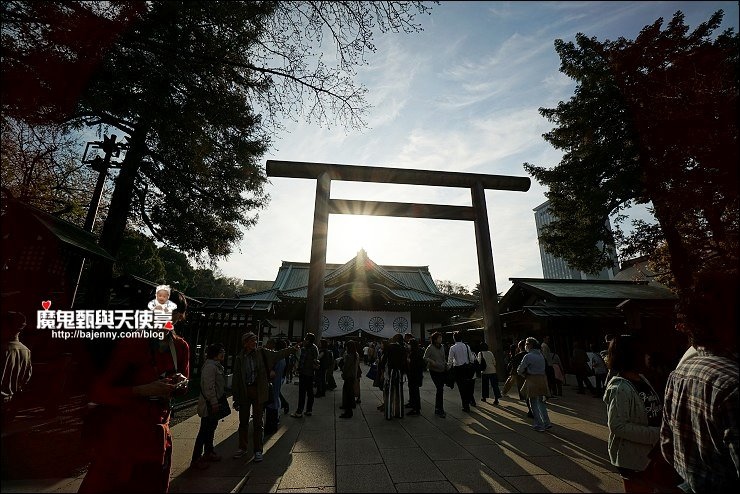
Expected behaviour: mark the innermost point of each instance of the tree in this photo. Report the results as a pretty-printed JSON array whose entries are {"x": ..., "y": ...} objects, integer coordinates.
[
  {"x": 451, "y": 288},
  {"x": 652, "y": 120},
  {"x": 185, "y": 82},
  {"x": 40, "y": 166},
  {"x": 139, "y": 256}
]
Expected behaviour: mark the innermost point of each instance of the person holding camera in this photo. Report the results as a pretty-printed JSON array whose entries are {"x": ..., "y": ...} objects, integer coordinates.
[
  {"x": 212, "y": 388},
  {"x": 251, "y": 390},
  {"x": 133, "y": 451}
]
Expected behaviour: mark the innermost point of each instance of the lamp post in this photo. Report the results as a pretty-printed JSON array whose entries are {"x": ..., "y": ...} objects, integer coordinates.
[{"x": 110, "y": 149}]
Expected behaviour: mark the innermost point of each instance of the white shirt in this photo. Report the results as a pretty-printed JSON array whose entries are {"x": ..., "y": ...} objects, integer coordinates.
[{"x": 459, "y": 354}]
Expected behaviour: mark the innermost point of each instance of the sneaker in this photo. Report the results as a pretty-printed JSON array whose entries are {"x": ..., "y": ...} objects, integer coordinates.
[
  {"x": 473, "y": 404},
  {"x": 413, "y": 412},
  {"x": 297, "y": 414},
  {"x": 466, "y": 409},
  {"x": 308, "y": 414},
  {"x": 539, "y": 429},
  {"x": 495, "y": 402},
  {"x": 548, "y": 426},
  {"x": 258, "y": 456},
  {"x": 239, "y": 453}
]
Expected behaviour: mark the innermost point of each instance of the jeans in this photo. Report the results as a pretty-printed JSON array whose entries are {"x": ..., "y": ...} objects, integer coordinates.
[
  {"x": 493, "y": 379},
  {"x": 257, "y": 408},
  {"x": 438, "y": 378},
  {"x": 204, "y": 441},
  {"x": 539, "y": 410},
  {"x": 414, "y": 397},
  {"x": 348, "y": 397},
  {"x": 320, "y": 382},
  {"x": 305, "y": 387}
]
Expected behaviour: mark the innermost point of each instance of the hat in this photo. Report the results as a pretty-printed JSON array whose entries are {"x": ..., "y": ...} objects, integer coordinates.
[
  {"x": 248, "y": 336},
  {"x": 166, "y": 288}
]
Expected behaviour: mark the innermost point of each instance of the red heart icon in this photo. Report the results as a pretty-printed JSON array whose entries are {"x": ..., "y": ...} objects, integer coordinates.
[
  {"x": 168, "y": 325},
  {"x": 46, "y": 304}
]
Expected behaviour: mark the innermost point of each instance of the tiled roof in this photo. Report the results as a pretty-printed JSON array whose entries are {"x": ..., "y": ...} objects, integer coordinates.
[
  {"x": 593, "y": 312},
  {"x": 411, "y": 283},
  {"x": 235, "y": 304},
  {"x": 594, "y": 289}
]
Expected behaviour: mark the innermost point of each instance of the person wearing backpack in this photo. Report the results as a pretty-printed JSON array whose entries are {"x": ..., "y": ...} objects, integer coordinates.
[{"x": 488, "y": 373}]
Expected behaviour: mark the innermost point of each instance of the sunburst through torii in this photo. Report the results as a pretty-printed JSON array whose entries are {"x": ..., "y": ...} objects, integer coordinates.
[{"x": 324, "y": 173}]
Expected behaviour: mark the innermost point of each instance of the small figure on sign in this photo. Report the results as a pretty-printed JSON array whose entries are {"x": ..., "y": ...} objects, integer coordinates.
[{"x": 162, "y": 301}]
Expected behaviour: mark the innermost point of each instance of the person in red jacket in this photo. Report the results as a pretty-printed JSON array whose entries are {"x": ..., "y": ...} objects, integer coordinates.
[{"x": 133, "y": 450}]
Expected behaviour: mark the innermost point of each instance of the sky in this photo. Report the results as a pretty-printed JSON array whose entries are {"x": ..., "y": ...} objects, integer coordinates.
[{"x": 461, "y": 96}]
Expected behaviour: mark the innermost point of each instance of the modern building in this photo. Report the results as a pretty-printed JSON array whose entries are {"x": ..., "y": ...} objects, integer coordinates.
[{"x": 556, "y": 267}]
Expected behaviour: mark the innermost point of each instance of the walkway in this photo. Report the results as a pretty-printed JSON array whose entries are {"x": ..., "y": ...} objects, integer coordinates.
[{"x": 491, "y": 449}]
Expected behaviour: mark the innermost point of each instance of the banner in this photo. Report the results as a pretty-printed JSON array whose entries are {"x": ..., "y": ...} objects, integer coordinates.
[{"x": 381, "y": 324}]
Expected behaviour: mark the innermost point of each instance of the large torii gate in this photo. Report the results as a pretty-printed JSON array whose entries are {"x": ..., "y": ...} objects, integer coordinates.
[{"x": 324, "y": 173}]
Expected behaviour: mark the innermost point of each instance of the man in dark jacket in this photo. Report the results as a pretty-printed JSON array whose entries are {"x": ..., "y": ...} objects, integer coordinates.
[
  {"x": 251, "y": 390},
  {"x": 308, "y": 364},
  {"x": 416, "y": 367}
]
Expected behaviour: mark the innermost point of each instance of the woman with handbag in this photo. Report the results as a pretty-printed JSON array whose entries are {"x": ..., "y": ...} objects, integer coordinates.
[
  {"x": 535, "y": 388},
  {"x": 634, "y": 415},
  {"x": 212, "y": 390}
]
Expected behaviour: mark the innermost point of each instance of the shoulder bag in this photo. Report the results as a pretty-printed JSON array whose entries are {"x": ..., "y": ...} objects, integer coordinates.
[{"x": 224, "y": 410}]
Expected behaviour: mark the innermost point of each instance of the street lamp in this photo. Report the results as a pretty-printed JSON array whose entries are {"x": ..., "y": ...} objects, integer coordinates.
[{"x": 110, "y": 149}]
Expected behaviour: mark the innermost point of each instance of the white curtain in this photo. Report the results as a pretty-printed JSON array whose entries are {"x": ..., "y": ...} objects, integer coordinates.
[{"x": 382, "y": 324}]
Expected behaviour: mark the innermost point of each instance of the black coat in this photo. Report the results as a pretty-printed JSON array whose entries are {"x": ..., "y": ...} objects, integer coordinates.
[{"x": 416, "y": 367}]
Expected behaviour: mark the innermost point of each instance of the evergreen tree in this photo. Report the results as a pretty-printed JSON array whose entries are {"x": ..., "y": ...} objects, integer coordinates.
[
  {"x": 188, "y": 83},
  {"x": 653, "y": 120}
]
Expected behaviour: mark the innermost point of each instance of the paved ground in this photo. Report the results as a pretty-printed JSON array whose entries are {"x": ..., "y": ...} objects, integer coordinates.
[{"x": 491, "y": 449}]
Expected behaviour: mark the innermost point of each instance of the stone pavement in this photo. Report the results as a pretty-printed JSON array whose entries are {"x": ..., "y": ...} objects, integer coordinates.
[{"x": 490, "y": 449}]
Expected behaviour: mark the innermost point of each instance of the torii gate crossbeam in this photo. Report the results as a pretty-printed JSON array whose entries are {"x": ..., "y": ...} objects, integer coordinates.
[{"x": 324, "y": 173}]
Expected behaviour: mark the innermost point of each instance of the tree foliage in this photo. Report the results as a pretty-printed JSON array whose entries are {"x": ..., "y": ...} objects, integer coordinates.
[
  {"x": 140, "y": 256},
  {"x": 451, "y": 288},
  {"x": 196, "y": 87},
  {"x": 653, "y": 120},
  {"x": 41, "y": 167}
]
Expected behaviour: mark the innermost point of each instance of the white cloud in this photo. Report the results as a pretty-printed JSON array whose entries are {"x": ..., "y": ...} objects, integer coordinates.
[{"x": 461, "y": 96}]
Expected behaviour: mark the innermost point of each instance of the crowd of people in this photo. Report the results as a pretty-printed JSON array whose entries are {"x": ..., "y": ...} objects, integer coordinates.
[{"x": 679, "y": 435}]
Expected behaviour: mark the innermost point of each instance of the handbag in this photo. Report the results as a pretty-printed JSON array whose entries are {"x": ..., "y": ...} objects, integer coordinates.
[
  {"x": 224, "y": 410},
  {"x": 372, "y": 372},
  {"x": 473, "y": 364},
  {"x": 450, "y": 379}
]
